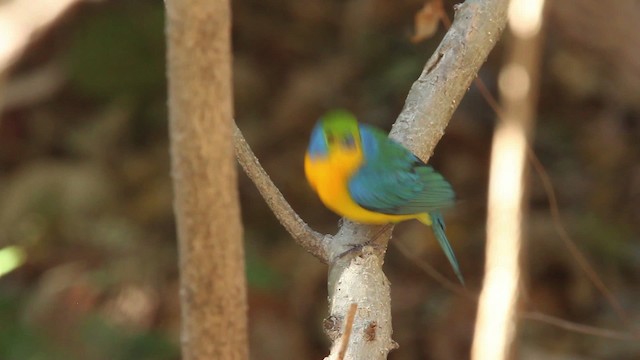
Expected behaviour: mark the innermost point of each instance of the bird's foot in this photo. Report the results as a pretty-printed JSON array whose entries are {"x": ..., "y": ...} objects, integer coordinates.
[
  {"x": 372, "y": 244},
  {"x": 365, "y": 247}
]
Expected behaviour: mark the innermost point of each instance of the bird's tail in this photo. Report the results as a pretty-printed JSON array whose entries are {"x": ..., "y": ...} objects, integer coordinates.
[{"x": 437, "y": 224}]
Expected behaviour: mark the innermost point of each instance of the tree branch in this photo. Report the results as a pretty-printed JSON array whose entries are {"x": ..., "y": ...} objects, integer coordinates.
[
  {"x": 357, "y": 277},
  {"x": 447, "y": 75},
  {"x": 310, "y": 240},
  {"x": 430, "y": 104}
]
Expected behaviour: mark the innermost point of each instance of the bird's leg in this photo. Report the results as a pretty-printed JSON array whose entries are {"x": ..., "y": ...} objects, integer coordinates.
[
  {"x": 378, "y": 234},
  {"x": 370, "y": 242}
]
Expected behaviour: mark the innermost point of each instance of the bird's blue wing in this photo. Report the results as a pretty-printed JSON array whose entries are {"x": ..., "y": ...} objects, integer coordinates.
[{"x": 394, "y": 181}]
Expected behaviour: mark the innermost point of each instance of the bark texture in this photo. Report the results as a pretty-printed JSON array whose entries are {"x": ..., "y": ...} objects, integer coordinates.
[{"x": 213, "y": 286}]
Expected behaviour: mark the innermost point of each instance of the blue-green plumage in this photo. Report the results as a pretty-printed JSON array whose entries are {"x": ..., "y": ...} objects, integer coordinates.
[
  {"x": 394, "y": 181},
  {"x": 361, "y": 174}
]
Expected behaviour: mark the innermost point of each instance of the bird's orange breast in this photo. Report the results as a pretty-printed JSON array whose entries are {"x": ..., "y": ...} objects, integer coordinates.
[{"x": 330, "y": 182}]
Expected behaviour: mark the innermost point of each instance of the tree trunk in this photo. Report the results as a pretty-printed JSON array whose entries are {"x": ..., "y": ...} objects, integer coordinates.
[{"x": 212, "y": 289}]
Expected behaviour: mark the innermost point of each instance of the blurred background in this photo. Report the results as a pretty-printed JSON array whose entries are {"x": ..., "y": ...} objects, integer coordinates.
[{"x": 88, "y": 263}]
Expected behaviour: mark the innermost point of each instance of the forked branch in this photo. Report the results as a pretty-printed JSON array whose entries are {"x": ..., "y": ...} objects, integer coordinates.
[
  {"x": 310, "y": 240},
  {"x": 358, "y": 277}
]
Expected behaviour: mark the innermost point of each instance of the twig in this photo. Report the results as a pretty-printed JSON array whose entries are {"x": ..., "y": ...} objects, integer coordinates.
[
  {"x": 526, "y": 315},
  {"x": 309, "y": 239},
  {"x": 582, "y": 261},
  {"x": 435, "y": 274},
  {"x": 348, "y": 326},
  {"x": 575, "y": 327},
  {"x": 488, "y": 97}
]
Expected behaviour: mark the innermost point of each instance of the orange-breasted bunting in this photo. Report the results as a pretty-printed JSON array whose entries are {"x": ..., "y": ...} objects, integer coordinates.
[{"x": 361, "y": 174}]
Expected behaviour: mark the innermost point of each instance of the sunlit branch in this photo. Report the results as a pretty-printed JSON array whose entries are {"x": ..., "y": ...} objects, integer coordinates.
[
  {"x": 496, "y": 321},
  {"x": 578, "y": 328},
  {"x": 20, "y": 20}
]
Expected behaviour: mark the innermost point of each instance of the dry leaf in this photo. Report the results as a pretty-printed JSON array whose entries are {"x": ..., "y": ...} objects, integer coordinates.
[{"x": 427, "y": 20}]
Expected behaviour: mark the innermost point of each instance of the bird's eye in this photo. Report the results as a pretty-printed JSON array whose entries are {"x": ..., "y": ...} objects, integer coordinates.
[
  {"x": 331, "y": 139},
  {"x": 348, "y": 142}
]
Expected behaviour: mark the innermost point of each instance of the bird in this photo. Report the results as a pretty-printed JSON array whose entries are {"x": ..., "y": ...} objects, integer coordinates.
[{"x": 363, "y": 175}]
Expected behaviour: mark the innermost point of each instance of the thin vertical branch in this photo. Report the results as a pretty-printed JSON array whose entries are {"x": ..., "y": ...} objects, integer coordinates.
[
  {"x": 579, "y": 257},
  {"x": 518, "y": 83}
]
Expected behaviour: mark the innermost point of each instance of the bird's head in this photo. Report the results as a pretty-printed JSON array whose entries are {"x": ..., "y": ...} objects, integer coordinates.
[{"x": 336, "y": 139}]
